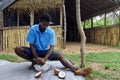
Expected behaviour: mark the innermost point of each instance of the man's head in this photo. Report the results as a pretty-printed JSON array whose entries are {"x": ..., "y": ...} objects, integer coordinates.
[{"x": 44, "y": 20}]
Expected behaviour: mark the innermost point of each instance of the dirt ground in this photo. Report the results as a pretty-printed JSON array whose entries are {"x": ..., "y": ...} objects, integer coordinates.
[{"x": 74, "y": 47}]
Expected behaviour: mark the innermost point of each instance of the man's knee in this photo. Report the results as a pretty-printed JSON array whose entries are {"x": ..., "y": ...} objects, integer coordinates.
[
  {"x": 18, "y": 50},
  {"x": 59, "y": 56}
]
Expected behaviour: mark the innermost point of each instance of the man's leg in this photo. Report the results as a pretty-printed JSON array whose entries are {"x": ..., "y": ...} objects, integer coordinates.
[
  {"x": 68, "y": 64},
  {"x": 65, "y": 62},
  {"x": 20, "y": 51}
]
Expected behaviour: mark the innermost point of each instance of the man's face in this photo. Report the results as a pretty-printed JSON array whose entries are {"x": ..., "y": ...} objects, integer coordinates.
[{"x": 44, "y": 24}]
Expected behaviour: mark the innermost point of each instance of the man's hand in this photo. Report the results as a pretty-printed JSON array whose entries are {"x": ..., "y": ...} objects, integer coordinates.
[{"x": 40, "y": 61}]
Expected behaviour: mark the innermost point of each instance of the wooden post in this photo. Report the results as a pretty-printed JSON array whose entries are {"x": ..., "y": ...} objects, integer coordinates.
[
  {"x": 1, "y": 19},
  {"x": 92, "y": 22},
  {"x": 84, "y": 24},
  {"x": 1, "y": 30},
  {"x": 65, "y": 25},
  {"x": 18, "y": 16},
  {"x": 81, "y": 32},
  {"x": 105, "y": 20},
  {"x": 31, "y": 18},
  {"x": 61, "y": 17},
  {"x": 119, "y": 27},
  {"x": 61, "y": 25}
]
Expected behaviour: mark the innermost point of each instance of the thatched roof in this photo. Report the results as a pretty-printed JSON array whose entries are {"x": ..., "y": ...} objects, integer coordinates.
[
  {"x": 90, "y": 8},
  {"x": 35, "y": 4},
  {"x": 5, "y": 3}
]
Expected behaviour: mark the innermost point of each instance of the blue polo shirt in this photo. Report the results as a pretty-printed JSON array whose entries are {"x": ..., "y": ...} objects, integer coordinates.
[{"x": 41, "y": 40}]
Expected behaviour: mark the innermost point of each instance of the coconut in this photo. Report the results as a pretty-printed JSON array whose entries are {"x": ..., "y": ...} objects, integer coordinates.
[
  {"x": 43, "y": 68},
  {"x": 38, "y": 75},
  {"x": 56, "y": 71},
  {"x": 61, "y": 74}
]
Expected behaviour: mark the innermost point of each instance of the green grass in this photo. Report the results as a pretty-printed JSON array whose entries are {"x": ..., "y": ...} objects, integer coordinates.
[
  {"x": 99, "y": 76},
  {"x": 8, "y": 57},
  {"x": 109, "y": 60}
]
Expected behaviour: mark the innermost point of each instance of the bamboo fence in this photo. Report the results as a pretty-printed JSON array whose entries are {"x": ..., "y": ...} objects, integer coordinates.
[
  {"x": 11, "y": 37},
  {"x": 104, "y": 35}
]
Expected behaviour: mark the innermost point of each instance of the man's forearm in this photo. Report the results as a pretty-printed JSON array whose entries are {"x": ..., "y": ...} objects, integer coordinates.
[
  {"x": 49, "y": 52},
  {"x": 33, "y": 51}
]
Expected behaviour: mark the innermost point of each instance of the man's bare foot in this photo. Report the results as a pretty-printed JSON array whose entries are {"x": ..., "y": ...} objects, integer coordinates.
[
  {"x": 84, "y": 71},
  {"x": 32, "y": 66}
]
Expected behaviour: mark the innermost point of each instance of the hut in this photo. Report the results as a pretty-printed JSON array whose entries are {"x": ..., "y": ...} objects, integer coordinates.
[
  {"x": 30, "y": 9},
  {"x": 16, "y": 16},
  {"x": 105, "y": 35}
]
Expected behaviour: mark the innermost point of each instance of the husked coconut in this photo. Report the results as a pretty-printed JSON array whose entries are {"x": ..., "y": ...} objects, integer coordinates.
[
  {"x": 56, "y": 71},
  {"x": 61, "y": 74},
  {"x": 38, "y": 75}
]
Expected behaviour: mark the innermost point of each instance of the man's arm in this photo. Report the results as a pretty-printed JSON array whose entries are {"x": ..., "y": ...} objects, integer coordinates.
[
  {"x": 33, "y": 51},
  {"x": 38, "y": 60},
  {"x": 49, "y": 52},
  {"x": 52, "y": 43}
]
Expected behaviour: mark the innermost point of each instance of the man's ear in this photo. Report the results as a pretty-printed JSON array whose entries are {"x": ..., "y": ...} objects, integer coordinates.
[{"x": 39, "y": 20}]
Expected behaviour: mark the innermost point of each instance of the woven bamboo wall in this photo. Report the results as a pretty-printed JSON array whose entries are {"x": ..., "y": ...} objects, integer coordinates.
[
  {"x": 12, "y": 37},
  {"x": 107, "y": 35}
]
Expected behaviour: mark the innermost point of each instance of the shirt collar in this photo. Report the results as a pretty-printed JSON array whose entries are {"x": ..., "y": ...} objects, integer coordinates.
[{"x": 39, "y": 30}]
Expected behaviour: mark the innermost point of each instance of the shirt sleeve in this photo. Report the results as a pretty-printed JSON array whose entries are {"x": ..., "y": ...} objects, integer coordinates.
[
  {"x": 52, "y": 38},
  {"x": 30, "y": 36}
]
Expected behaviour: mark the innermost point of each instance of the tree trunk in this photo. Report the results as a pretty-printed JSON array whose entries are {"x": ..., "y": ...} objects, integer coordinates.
[
  {"x": 31, "y": 18},
  {"x": 119, "y": 27},
  {"x": 65, "y": 25},
  {"x": 81, "y": 32}
]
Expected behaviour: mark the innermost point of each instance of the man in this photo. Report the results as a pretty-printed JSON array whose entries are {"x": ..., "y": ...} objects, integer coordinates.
[{"x": 39, "y": 37}]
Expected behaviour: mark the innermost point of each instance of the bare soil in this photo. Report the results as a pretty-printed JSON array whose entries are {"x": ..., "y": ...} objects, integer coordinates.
[{"x": 74, "y": 47}]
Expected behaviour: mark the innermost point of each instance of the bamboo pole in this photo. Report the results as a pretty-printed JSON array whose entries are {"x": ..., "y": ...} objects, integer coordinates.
[
  {"x": 61, "y": 17},
  {"x": 1, "y": 32},
  {"x": 105, "y": 23},
  {"x": 81, "y": 32},
  {"x": 1, "y": 39},
  {"x": 18, "y": 16},
  {"x": 31, "y": 17},
  {"x": 61, "y": 24},
  {"x": 105, "y": 20},
  {"x": 65, "y": 24},
  {"x": 1, "y": 19},
  {"x": 92, "y": 22}
]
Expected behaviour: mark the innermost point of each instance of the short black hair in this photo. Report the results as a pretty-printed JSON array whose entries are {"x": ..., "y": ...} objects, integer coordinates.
[{"x": 45, "y": 17}]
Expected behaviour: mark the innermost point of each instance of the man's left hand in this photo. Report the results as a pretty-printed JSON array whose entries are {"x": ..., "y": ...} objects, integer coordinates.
[{"x": 40, "y": 61}]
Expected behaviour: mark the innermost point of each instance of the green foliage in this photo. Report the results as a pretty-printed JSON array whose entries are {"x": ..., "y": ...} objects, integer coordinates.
[
  {"x": 87, "y": 23},
  {"x": 8, "y": 57},
  {"x": 99, "y": 21},
  {"x": 97, "y": 75},
  {"x": 106, "y": 57},
  {"x": 75, "y": 58},
  {"x": 107, "y": 66},
  {"x": 109, "y": 60}
]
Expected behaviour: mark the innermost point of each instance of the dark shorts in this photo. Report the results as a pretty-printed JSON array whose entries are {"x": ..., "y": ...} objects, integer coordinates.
[{"x": 40, "y": 53}]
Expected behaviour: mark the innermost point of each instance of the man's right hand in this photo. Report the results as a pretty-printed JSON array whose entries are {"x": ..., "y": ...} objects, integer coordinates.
[{"x": 40, "y": 61}]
